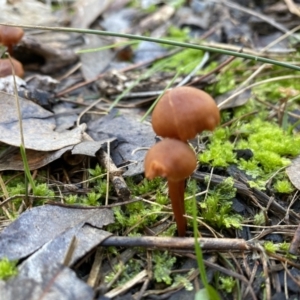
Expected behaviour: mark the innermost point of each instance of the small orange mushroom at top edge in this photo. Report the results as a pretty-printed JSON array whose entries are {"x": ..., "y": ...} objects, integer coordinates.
[
  {"x": 6, "y": 67},
  {"x": 174, "y": 160},
  {"x": 183, "y": 112},
  {"x": 10, "y": 36}
]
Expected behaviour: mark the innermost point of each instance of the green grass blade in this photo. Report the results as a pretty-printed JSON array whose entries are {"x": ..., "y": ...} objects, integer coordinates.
[{"x": 162, "y": 41}]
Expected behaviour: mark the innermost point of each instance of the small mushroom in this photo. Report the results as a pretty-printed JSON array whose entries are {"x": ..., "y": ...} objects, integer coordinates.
[
  {"x": 6, "y": 68},
  {"x": 10, "y": 36},
  {"x": 183, "y": 112},
  {"x": 174, "y": 160}
]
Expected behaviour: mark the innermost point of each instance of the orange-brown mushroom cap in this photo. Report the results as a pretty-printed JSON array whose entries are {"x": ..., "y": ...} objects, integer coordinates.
[
  {"x": 6, "y": 68},
  {"x": 10, "y": 36},
  {"x": 183, "y": 112},
  {"x": 170, "y": 158}
]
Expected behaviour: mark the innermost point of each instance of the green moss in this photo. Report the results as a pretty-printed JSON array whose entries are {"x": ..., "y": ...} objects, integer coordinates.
[
  {"x": 187, "y": 59},
  {"x": 129, "y": 271},
  {"x": 163, "y": 263},
  {"x": 219, "y": 152},
  {"x": 72, "y": 199},
  {"x": 272, "y": 149},
  {"x": 216, "y": 209},
  {"x": 271, "y": 146},
  {"x": 7, "y": 269},
  {"x": 97, "y": 172},
  {"x": 144, "y": 187},
  {"x": 179, "y": 279},
  {"x": 227, "y": 283},
  {"x": 227, "y": 79},
  {"x": 42, "y": 189},
  {"x": 259, "y": 219},
  {"x": 271, "y": 247},
  {"x": 283, "y": 186},
  {"x": 135, "y": 215}
]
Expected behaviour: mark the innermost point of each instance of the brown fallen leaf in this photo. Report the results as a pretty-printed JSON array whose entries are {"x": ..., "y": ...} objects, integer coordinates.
[
  {"x": 53, "y": 224},
  {"x": 293, "y": 172},
  {"x": 11, "y": 158},
  {"x": 55, "y": 279},
  {"x": 38, "y": 126}
]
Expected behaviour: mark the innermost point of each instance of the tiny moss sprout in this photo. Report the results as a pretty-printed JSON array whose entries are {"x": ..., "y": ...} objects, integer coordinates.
[
  {"x": 259, "y": 219},
  {"x": 161, "y": 198},
  {"x": 283, "y": 186},
  {"x": 170, "y": 231},
  {"x": 189, "y": 58},
  {"x": 227, "y": 283},
  {"x": 129, "y": 271},
  {"x": 144, "y": 187},
  {"x": 92, "y": 199},
  {"x": 271, "y": 247},
  {"x": 7, "y": 268},
  {"x": 72, "y": 199},
  {"x": 42, "y": 189},
  {"x": 284, "y": 247},
  {"x": 226, "y": 80},
  {"x": 163, "y": 263},
  {"x": 219, "y": 152},
  {"x": 216, "y": 209},
  {"x": 97, "y": 172},
  {"x": 179, "y": 279}
]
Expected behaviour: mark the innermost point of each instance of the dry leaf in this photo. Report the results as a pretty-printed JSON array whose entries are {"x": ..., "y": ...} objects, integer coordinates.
[
  {"x": 38, "y": 126},
  {"x": 54, "y": 282},
  {"x": 40, "y": 225},
  {"x": 293, "y": 172}
]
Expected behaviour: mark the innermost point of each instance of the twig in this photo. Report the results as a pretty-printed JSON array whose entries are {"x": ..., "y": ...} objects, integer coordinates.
[
  {"x": 161, "y": 41},
  {"x": 196, "y": 69},
  {"x": 293, "y": 8},
  {"x": 216, "y": 70},
  {"x": 115, "y": 175},
  {"x": 77, "y": 206},
  {"x": 177, "y": 243},
  {"x": 295, "y": 242},
  {"x": 257, "y": 84},
  {"x": 94, "y": 275},
  {"x": 121, "y": 289}
]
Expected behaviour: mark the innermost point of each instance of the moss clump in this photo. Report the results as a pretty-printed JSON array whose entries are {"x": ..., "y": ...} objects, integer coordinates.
[
  {"x": 163, "y": 263},
  {"x": 272, "y": 148},
  {"x": 270, "y": 144},
  {"x": 227, "y": 283},
  {"x": 7, "y": 269},
  {"x": 144, "y": 187},
  {"x": 219, "y": 152},
  {"x": 216, "y": 209},
  {"x": 283, "y": 186},
  {"x": 129, "y": 271}
]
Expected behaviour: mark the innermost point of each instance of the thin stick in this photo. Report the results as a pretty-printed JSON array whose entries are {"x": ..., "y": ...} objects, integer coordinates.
[
  {"x": 160, "y": 41},
  {"x": 177, "y": 243},
  {"x": 256, "y": 84}
]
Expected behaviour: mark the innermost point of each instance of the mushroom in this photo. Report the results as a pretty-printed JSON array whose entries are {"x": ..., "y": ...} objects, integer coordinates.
[
  {"x": 174, "y": 160},
  {"x": 10, "y": 36},
  {"x": 183, "y": 112},
  {"x": 6, "y": 68},
  {"x": 180, "y": 114}
]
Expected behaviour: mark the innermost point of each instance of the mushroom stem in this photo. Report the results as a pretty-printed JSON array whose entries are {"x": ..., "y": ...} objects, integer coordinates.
[{"x": 176, "y": 194}]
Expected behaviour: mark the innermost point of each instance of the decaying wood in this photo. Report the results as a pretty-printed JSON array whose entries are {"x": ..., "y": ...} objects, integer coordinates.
[{"x": 115, "y": 175}]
